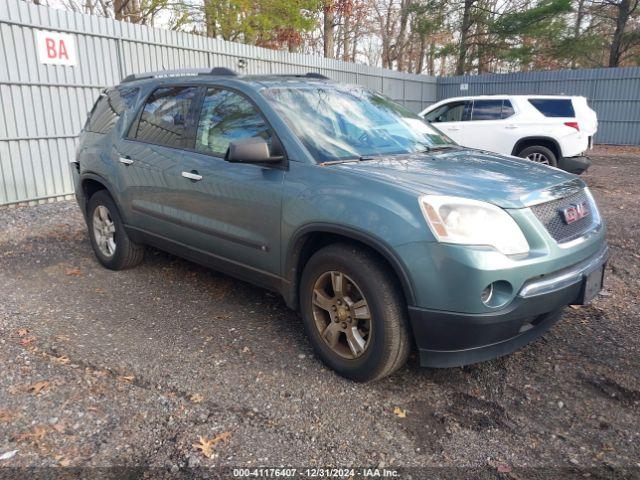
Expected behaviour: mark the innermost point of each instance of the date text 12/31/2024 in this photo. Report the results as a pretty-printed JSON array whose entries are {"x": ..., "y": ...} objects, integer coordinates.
[{"x": 315, "y": 473}]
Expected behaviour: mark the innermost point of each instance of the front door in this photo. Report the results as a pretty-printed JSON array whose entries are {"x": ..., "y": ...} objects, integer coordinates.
[{"x": 451, "y": 118}]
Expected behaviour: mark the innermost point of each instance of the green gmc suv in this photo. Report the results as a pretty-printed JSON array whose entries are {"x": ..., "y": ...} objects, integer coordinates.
[{"x": 383, "y": 233}]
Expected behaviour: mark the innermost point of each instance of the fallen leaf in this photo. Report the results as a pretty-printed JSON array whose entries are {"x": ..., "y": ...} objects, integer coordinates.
[
  {"x": 8, "y": 455},
  {"x": 65, "y": 462},
  {"x": 38, "y": 387},
  {"x": 35, "y": 436},
  {"x": 126, "y": 378},
  {"x": 400, "y": 412},
  {"x": 26, "y": 341},
  {"x": 503, "y": 468},
  {"x": 22, "y": 332},
  {"x": 75, "y": 272},
  {"x": 5, "y": 416},
  {"x": 62, "y": 360},
  {"x": 59, "y": 427},
  {"x": 196, "y": 398},
  {"x": 206, "y": 446},
  {"x": 63, "y": 338}
]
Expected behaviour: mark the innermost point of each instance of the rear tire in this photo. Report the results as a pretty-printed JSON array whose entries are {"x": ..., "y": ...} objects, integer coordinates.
[
  {"x": 359, "y": 329},
  {"x": 111, "y": 244},
  {"x": 539, "y": 154}
]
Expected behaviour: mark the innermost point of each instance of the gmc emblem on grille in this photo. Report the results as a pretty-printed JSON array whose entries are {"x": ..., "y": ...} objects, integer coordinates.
[{"x": 574, "y": 212}]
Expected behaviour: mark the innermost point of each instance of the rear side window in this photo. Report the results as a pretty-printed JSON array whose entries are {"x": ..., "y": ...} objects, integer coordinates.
[
  {"x": 487, "y": 110},
  {"x": 491, "y": 109},
  {"x": 553, "y": 107},
  {"x": 109, "y": 107},
  {"x": 164, "y": 117},
  {"x": 507, "y": 109}
]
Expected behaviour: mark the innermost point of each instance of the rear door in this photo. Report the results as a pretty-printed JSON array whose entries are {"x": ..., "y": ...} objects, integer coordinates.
[
  {"x": 154, "y": 146},
  {"x": 451, "y": 118},
  {"x": 491, "y": 125}
]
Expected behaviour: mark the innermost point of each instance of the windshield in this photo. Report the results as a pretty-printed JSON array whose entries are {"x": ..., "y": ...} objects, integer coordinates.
[{"x": 339, "y": 122}]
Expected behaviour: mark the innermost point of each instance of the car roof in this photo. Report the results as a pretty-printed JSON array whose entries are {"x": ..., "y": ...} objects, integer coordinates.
[
  {"x": 206, "y": 75},
  {"x": 509, "y": 95}
]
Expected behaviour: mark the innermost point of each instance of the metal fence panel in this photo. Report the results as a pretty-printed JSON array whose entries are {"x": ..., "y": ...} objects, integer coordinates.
[
  {"x": 614, "y": 93},
  {"x": 43, "y": 107}
]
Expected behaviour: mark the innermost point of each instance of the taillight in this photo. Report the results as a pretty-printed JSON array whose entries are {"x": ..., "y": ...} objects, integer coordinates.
[{"x": 573, "y": 125}]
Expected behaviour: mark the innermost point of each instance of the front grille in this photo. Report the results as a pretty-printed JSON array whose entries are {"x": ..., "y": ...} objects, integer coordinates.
[{"x": 549, "y": 214}]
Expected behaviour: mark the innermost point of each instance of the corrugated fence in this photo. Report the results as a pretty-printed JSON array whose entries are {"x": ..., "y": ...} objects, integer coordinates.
[
  {"x": 43, "y": 107},
  {"x": 614, "y": 93}
]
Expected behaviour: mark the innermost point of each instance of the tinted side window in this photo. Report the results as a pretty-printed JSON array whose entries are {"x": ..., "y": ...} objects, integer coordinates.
[
  {"x": 109, "y": 107},
  {"x": 487, "y": 110},
  {"x": 164, "y": 117},
  {"x": 553, "y": 107},
  {"x": 507, "y": 109},
  {"x": 227, "y": 116}
]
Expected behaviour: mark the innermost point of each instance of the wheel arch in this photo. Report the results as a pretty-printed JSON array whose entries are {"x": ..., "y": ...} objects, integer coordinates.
[
  {"x": 92, "y": 183},
  {"x": 549, "y": 142},
  {"x": 310, "y": 238}
]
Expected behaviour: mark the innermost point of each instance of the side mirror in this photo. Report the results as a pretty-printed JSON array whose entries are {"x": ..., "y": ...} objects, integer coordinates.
[{"x": 250, "y": 150}]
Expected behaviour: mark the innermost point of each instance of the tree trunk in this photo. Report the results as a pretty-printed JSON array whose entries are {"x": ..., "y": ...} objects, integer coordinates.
[
  {"x": 431, "y": 70},
  {"x": 346, "y": 38},
  {"x": 209, "y": 19},
  {"x": 399, "y": 52},
  {"x": 118, "y": 7},
  {"x": 328, "y": 31},
  {"x": 421, "y": 54},
  {"x": 615, "y": 53},
  {"x": 464, "y": 38},
  {"x": 577, "y": 25}
]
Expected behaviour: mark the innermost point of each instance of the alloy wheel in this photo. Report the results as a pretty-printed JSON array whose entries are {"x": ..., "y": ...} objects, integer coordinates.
[
  {"x": 104, "y": 231},
  {"x": 538, "y": 158},
  {"x": 341, "y": 314}
]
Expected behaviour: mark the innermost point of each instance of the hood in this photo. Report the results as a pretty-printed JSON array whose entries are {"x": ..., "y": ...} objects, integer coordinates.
[{"x": 508, "y": 182}]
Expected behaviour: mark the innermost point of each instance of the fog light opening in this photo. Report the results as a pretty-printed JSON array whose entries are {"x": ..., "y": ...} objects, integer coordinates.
[
  {"x": 487, "y": 294},
  {"x": 497, "y": 294}
]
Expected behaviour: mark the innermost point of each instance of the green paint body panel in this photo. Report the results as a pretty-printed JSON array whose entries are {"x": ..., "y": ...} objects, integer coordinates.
[{"x": 249, "y": 219}]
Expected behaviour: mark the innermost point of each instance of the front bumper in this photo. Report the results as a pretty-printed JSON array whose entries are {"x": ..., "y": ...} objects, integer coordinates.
[
  {"x": 575, "y": 165},
  {"x": 449, "y": 339}
]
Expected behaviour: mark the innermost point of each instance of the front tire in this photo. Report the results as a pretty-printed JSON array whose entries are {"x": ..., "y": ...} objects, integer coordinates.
[
  {"x": 111, "y": 244},
  {"x": 354, "y": 313},
  {"x": 539, "y": 154}
]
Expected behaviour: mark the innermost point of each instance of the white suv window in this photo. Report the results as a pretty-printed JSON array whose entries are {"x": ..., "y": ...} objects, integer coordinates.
[
  {"x": 450, "y": 112},
  {"x": 554, "y": 107},
  {"x": 491, "y": 110}
]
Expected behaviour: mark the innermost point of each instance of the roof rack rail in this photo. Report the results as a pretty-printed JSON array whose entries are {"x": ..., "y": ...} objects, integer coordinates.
[
  {"x": 179, "y": 73},
  {"x": 316, "y": 75}
]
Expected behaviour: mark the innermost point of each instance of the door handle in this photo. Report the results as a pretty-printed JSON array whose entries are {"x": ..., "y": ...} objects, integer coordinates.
[
  {"x": 454, "y": 128},
  {"x": 192, "y": 175},
  {"x": 511, "y": 126},
  {"x": 125, "y": 160}
]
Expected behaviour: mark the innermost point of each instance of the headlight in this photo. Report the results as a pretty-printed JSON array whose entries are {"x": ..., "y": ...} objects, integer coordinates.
[{"x": 471, "y": 222}]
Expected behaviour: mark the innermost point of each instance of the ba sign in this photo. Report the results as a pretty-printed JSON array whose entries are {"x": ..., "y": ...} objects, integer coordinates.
[{"x": 56, "y": 48}]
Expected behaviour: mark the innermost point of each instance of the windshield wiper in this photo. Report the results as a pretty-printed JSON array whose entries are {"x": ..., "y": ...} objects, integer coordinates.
[{"x": 436, "y": 148}]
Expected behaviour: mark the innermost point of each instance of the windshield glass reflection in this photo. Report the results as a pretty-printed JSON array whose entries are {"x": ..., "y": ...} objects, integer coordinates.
[{"x": 339, "y": 122}]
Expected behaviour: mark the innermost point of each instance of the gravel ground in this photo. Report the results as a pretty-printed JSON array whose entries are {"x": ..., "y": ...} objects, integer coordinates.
[{"x": 100, "y": 369}]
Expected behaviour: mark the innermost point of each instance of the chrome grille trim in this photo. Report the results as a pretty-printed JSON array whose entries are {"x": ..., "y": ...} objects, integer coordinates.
[{"x": 549, "y": 214}]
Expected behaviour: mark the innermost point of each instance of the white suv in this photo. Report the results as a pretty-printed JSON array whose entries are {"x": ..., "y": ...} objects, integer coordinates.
[{"x": 555, "y": 130}]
